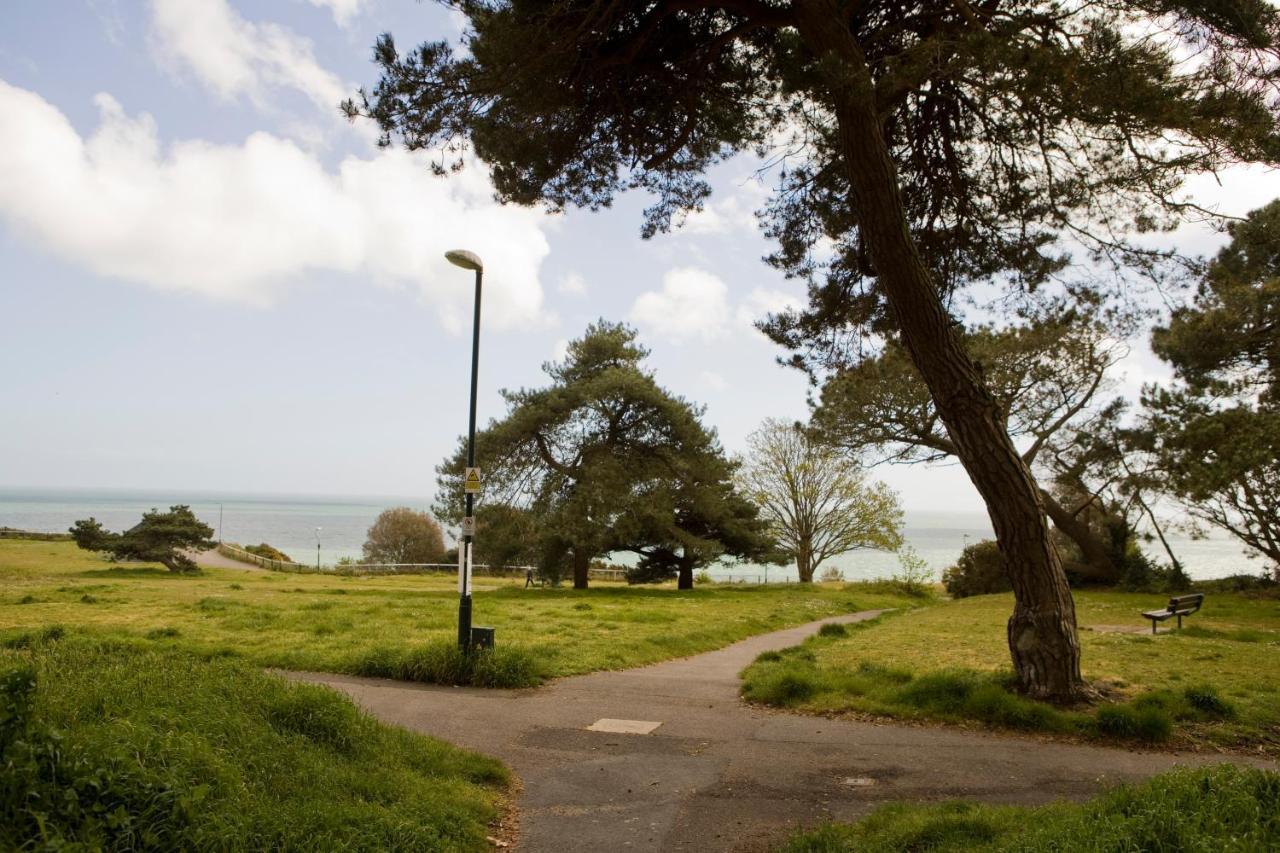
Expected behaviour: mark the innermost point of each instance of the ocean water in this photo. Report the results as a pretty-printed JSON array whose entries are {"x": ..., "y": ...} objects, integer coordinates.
[{"x": 290, "y": 522}]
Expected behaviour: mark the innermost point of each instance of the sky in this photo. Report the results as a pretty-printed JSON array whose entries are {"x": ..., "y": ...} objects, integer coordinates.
[{"x": 210, "y": 280}]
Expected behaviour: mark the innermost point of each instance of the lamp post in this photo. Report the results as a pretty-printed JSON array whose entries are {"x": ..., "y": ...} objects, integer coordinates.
[
  {"x": 468, "y": 261},
  {"x": 318, "y": 549}
]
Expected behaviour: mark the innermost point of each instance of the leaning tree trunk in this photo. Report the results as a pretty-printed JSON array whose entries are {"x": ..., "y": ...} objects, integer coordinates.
[
  {"x": 581, "y": 567},
  {"x": 1042, "y": 630},
  {"x": 1097, "y": 556}
]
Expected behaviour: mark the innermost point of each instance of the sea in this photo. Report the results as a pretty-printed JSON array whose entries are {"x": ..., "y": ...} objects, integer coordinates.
[{"x": 337, "y": 524}]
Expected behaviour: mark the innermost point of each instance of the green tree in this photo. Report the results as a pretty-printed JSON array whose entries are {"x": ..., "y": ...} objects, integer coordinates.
[
  {"x": 1049, "y": 375},
  {"x": 605, "y": 460},
  {"x": 403, "y": 535},
  {"x": 922, "y": 146},
  {"x": 816, "y": 500},
  {"x": 1215, "y": 434},
  {"x": 160, "y": 537}
]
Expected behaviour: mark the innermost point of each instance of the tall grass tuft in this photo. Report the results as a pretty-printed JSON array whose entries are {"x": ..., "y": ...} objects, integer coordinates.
[
  {"x": 136, "y": 746},
  {"x": 442, "y": 662}
]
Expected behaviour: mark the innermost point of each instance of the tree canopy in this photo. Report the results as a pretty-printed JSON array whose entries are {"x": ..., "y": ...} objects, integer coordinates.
[
  {"x": 920, "y": 146},
  {"x": 403, "y": 535},
  {"x": 160, "y": 537},
  {"x": 1214, "y": 436},
  {"x": 817, "y": 501},
  {"x": 604, "y": 459}
]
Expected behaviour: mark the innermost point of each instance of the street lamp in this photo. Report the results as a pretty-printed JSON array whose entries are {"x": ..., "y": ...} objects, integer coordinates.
[
  {"x": 318, "y": 549},
  {"x": 469, "y": 261}
]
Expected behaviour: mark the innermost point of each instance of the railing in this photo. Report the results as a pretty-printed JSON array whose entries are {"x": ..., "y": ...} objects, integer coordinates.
[{"x": 244, "y": 556}]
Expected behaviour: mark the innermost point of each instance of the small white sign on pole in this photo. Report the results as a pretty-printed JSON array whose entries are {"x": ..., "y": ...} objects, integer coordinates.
[
  {"x": 462, "y": 568},
  {"x": 469, "y": 526}
]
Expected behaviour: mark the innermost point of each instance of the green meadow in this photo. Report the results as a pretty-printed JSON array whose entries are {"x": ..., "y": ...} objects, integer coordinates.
[
  {"x": 397, "y": 626},
  {"x": 1215, "y": 683}
]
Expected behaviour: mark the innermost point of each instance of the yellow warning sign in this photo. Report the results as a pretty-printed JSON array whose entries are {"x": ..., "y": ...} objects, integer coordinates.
[{"x": 471, "y": 482}]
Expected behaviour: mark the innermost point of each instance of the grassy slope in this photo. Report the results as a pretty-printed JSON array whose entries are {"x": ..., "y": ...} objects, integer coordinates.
[
  {"x": 1219, "y": 810},
  {"x": 354, "y": 624},
  {"x": 1232, "y": 645},
  {"x": 125, "y": 748}
]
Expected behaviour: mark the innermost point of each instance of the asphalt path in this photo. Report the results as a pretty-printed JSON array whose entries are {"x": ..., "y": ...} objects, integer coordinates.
[{"x": 718, "y": 774}]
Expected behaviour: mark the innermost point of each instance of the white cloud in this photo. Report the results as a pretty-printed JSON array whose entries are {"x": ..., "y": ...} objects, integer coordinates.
[
  {"x": 236, "y": 58},
  {"x": 729, "y": 213},
  {"x": 762, "y": 301},
  {"x": 573, "y": 284},
  {"x": 233, "y": 221},
  {"x": 713, "y": 380},
  {"x": 693, "y": 303},
  {"x": 560, "y": 350},
  {"x": 343, "y": 10}
]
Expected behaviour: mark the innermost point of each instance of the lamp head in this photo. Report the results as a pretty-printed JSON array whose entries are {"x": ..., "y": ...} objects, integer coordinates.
[{"x": 466, "y": 260}]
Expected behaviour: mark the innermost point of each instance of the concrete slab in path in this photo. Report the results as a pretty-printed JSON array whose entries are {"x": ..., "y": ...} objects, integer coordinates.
[{"x": 718, "y": 775}]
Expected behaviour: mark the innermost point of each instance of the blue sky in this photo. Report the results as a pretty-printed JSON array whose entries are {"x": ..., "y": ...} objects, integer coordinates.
[{"x": 209, "y": 280}]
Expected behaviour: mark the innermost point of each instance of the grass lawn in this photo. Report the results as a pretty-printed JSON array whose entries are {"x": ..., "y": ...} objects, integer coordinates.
[
  {"x": 109, "y": 746},
  {"x": 396, "y": 626},
  {"x": 1221, "y": 809},
  {"x": 1215, "y": 682}
]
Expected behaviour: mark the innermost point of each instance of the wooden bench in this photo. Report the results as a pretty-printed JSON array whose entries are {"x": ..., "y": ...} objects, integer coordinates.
[{"x": 1179, "y": 605}]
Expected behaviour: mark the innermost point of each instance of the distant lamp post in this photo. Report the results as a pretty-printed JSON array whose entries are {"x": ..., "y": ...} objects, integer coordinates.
[
  {"x": 471, "y": 479},
  {"x": 318, "y": 529}
]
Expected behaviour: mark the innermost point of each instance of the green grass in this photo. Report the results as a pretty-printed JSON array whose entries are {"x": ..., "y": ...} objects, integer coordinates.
[
  {"x": 129, "y": 746},
  {"x": 399, "y": 626},
  {"x": 1217, "y": 682},
  {"x": 1226, "y": 808}
]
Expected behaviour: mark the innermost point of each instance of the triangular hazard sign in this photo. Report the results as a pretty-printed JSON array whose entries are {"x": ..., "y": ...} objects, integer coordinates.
[{"x": 471, "y": 482}]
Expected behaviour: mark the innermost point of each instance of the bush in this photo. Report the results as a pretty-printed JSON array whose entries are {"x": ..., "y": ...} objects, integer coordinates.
[
  {"x": 267, "y": 552},
  {"x": 830, "y": 575},
  {"x": 979, "y": 571},
  {"x": 914, "y": 576},
  {"x": 1206, "y": 700},
  {"x": 832, "y": 629}
]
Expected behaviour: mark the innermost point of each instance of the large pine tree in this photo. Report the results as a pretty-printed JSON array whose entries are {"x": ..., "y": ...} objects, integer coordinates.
[{"x": 935, "y": 142}]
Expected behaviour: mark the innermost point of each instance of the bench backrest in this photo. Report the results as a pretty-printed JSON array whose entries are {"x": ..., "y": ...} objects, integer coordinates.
[{"x": 1182, "y": 602}]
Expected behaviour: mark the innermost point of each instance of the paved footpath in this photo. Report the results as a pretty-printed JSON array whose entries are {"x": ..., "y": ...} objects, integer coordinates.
[{"x": 718, "y": 775}]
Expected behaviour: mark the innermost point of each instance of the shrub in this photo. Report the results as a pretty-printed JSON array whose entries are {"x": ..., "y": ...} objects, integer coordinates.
[
  {"x": 914, "y": 576},
  {"x": 267, "y": 552},
  {"x": 979, "y": 571},
  {"x": 830, "y": 575},
  {"x": 833, "y": 629}
]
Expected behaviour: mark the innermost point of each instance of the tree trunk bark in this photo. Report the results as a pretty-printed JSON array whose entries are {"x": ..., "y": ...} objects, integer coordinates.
[
  {"x": 581, "y": 567},
  {"x": 1042, "y": 630},
  {"x": 685, "y": 579},
  {"x": 804, "y": 564},
  {"x": 1096, "y": 553}
]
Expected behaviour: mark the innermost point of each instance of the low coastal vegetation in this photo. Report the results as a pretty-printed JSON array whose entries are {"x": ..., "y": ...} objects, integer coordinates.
[
  {"x": 1225, "y": 808},
  {"x": 129, "y": 746},
  {"x": 1212, "y": 683},
  {"x": 398, "y": 626}
]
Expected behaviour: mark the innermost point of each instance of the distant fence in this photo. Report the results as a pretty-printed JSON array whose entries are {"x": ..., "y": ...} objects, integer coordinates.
[
  {"x": 14, "y": 533},
  {"x": 244, "y": 556}
]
